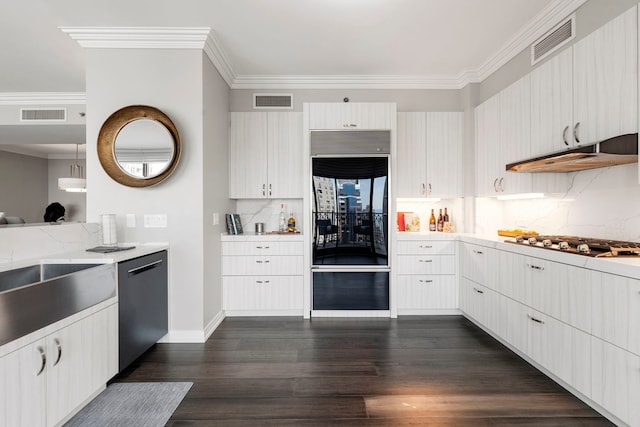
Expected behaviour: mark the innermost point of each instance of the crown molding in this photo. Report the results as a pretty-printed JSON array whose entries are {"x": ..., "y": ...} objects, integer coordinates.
[
  {"x": 204, "y": 38},
  {"x": 346, "y": 82},
  {"x": 43, "y": 98},
  {"x": 139, "y": 37}
]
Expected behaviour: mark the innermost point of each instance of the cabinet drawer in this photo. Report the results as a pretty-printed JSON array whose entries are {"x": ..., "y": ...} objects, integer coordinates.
[
  {"x": 480, "y": 264},
  {"x": 432, "y": 247},
  {"x": 427, "y": 292},
  {"x": 261, "y": 265},
  {"x": 262, "y": 247},
  {"x": 262, "y": 293},
  {"x": 427, "y": 264}
]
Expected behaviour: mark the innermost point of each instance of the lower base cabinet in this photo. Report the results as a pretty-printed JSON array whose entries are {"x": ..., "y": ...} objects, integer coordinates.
[
  {"x": 428, "y": 292},
  {"x": 616, "y": 380},
  {"x": 43, "y": 382},
  {"x": 263, "y": 294}
]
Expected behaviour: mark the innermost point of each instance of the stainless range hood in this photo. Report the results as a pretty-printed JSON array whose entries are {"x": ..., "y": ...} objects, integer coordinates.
[{"x": 618, "y": 150}]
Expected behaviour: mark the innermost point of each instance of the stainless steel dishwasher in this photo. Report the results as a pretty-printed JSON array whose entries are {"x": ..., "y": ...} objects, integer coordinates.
[{"x": 143, "y": 305}]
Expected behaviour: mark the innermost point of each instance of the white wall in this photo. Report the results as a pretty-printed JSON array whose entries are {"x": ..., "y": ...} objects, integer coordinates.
[
  {"x": 216, "y": 187},
  {"x": 75, "y": 204},
  {"x": 172, "y": 81},
  {"x": 23, "y": 186}
]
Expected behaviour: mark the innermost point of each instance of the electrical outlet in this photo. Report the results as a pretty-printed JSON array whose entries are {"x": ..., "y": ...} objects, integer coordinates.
[
  {"x": 155, "y": 221},
  {"x": 216, "y": 218}
]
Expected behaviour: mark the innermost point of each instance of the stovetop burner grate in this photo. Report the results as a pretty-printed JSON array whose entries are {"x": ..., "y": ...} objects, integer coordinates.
[{"x": 595, "y": 247}]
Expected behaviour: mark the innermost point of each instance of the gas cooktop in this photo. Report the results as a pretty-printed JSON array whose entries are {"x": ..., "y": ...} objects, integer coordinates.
[{"x": 587, "y": 246}]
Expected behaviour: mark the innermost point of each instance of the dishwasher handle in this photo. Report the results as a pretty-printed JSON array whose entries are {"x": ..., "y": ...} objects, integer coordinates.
[{"x": 144, "y": 268}]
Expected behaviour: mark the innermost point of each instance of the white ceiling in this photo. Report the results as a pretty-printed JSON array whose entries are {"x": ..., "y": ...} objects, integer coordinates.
[{"x": 285, "y": 40}]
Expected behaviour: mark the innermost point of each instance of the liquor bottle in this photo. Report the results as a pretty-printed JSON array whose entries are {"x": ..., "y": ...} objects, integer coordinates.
[
  {"x": 432, "y": 222},
  {"x": 291, "y": 224},
  {"x": 440, "y": 221},
  {"x": 282, "y": 222},
  {"x": 446, "y": 215}
]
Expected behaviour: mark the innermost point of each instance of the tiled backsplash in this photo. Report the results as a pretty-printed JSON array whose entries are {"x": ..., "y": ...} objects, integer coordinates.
[{"x": 602, "y": 203}]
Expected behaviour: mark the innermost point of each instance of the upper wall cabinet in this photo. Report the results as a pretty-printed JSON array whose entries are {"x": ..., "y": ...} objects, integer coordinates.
[
  {"x": 503, "y": 134},
  {"x": 265, "y": 155},
  {"x": 430, "y": 154},
  {"x": 347, "y": 115},
  {"x": 587, "y": 92}
]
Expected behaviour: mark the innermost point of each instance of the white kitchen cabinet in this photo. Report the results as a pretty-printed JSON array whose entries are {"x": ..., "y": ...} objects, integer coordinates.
[
  {"x": 514, "y": 137},
  {"x": 616, "y": 310},
  {"x": 605, "y": 80},
  {"x": 265, "y": 155},
  {"x": 351, "y": 115},
  {"x": 487, "y": 130},
  {"x": 444, "y": 154},
  {"x": 73, "y": 362},
  {"x": 430, "y": 154},
  {"x": 479, "y": 303},
  {"x": 426, "y": 276},
  {"x": 552, "y": 105},
  {"x": 262, "y": 275},
  {"x": 616, "y": 380},
  {"x": 412, "y": 155},
  {"x": 479, "y": 264}
]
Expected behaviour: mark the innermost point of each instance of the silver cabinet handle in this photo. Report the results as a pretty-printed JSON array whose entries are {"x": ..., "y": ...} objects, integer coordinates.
[
  {"x": 262, "y": 247},
  {"x": 269, "y": 189},
  {"x": 59, "y": 347},
  {"x": 495, "y": 185},
  {"x": 265, "y": 261},
  {"x": 263, "y": 281},
  {"x": 424, "y": 189},
  {"x": 478, "y": 252},
  {"x": 429, "y": 188},
  {"x": 576, "y": 132},
  {"x": 535, "y": 267},
  {"x": 43, "y": 356},
  {"x": 144, "y": 267},
  {"x": 425, "y": 260},
  {"x": 425, "y": 246},
  {"x": 264, "y": 190},
  {"x": 350, "y": 125},
  {"x": 564, "y": 135},
  {"x": 478, "y": 290},
  {"x": 500, "y": 185},
  {"x": 425, "y": 281},
  {"x": 535, "y": 320}
]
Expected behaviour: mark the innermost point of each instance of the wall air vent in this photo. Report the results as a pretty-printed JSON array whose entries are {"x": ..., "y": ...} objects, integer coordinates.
[
  {"x": 273, "y": 100},
  {"x": 554, "y": 39},
  {"x": 43, "y": 114}
]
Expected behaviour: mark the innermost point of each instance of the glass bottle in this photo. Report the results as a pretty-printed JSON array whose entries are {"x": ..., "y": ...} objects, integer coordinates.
[
  {"x": 282, "y": 221},
  {"x": 446, "y": 215},
  {"x": 291, "y": 224},
  {"x": 440, "y": 221},
  {"x": 432, "y": 222}
]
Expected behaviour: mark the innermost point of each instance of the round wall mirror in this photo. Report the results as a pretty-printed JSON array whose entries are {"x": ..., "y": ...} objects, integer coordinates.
[{"x": 139, "y": 146}]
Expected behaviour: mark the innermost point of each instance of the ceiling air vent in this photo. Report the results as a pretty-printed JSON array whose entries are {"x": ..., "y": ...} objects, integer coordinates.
[
  {"x": 43, "y": 114},
  {"x": 554, "y": 39},
  {"x": 272, "y": 100}
]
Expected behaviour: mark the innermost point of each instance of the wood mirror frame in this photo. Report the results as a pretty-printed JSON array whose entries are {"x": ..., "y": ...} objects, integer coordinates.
[{"x": 109, "y": 134}]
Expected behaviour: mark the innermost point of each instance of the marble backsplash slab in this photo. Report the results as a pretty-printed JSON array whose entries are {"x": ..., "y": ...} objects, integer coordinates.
[
  {"x": 19, "y": 243},
  {"x": 602, "y": 203}
]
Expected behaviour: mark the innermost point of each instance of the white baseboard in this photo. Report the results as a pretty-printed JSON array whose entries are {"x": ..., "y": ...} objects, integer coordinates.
[
  {"x": 429, "y": 312},
  {"x": 194, "y": 336},
  {"x": 252, "y": 313},
  {"x": 350, "y": 313}
]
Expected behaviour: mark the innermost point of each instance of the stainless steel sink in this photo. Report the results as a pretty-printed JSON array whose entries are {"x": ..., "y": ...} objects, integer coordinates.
[{"x": 35, "y": 296}]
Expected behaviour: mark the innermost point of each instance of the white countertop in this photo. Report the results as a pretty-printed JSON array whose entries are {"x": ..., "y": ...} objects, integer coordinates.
[
  {"x": 84, "y": 257},
  {"x": 252, "y": 237}
]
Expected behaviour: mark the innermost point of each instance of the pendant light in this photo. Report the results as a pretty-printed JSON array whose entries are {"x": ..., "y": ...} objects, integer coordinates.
[{"x": 76, "y": 183}]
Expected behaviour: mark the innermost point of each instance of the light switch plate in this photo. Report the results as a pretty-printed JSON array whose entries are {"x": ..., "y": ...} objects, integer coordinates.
[
  {"x": 131, "y": 220},
  {"x": 155, "y": 220},
  {"x": 216, "y": 218}
]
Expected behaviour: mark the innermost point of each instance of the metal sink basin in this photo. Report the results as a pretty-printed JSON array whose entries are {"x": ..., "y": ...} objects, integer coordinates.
[
  {"x": 36, "y": 296},
  {"x": 19, "y": 277}
]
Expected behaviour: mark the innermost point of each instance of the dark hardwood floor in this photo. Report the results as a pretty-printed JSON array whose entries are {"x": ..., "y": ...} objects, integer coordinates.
[{"x": 410, "y": 371}]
